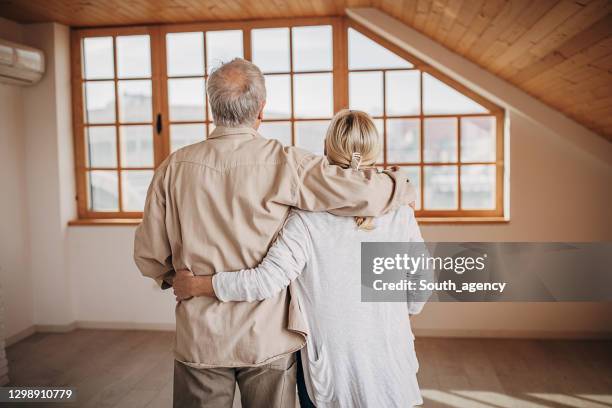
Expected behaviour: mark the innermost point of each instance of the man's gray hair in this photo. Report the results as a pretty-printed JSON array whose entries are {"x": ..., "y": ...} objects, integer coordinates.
[{"x": 236, "y": 91}]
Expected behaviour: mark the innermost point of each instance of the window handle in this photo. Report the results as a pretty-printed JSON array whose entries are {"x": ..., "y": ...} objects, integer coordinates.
[{"x": 158, "y": 123}]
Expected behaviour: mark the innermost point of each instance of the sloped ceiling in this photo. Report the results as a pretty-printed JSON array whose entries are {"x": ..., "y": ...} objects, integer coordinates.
[{"x": 559, "y": 51}]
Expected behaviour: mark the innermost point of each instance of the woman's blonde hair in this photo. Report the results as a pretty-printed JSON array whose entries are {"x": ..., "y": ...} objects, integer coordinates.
[{"x": 353, "y": 141}]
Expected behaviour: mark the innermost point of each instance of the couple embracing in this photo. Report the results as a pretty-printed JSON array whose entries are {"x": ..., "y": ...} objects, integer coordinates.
[{"x": 261, "y": 244}]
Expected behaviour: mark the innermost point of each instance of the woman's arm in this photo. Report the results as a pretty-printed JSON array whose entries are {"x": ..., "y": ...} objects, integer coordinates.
[{"x": 283, "y": 263}]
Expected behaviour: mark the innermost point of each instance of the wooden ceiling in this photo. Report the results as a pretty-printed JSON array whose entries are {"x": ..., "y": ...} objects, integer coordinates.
[{"x": 559, "y": 51}]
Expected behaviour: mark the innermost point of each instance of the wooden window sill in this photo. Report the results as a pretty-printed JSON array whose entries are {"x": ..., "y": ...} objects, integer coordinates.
[
  {"x": 462, "y": 220},
  {"x": 88, "y": 222},
  {"x": 422, "y": 220}
]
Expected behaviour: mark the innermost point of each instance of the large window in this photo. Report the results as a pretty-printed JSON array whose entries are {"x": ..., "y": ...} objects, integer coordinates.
[
  {"x": 117, "y": 159},
  {"x": 139, "y": 95},
  {"x": 444, "y": 139},
  {"x": 297, "y": 63}
]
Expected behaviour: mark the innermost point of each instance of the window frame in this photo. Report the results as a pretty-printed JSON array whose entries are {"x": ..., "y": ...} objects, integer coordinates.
[
  {"x": 459, "y": 215},
  {"x": 78, "y": 117},
  {"x": 340, "y": 88}
]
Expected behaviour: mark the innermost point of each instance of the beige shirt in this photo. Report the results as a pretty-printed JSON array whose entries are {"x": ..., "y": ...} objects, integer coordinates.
[{"x": 217, "y": 206}]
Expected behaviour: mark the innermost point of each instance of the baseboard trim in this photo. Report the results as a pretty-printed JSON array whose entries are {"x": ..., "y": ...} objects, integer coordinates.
[
  {"x": 56, "y": 328},
  {"x": 87, "y": 324},
  {"x": 420, "y": 333},
  {"x": 17, "y": 337},
  {"x": 513, "y": 334}
]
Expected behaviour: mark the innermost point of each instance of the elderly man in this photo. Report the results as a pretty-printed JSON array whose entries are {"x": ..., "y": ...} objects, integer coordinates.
[{"x": 217, "y": 205}]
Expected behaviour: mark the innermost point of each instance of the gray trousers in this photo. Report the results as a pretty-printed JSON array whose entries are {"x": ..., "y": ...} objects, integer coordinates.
[{"x": 269, "y": 386}]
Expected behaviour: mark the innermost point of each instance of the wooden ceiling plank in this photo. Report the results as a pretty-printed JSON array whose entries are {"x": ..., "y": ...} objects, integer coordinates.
[
  {"x": 255, "y": 9},
  {"x": 555, "y": 16},
  {"x": 231, "y": 10},
  {"x": 505, "y": 19},
  {"x": 292, "y": 8},
  {"x": 394, "y": 8},
  {"x": 581, "y": 96},
  {"x": 318, "y": 7},
  {"x": 572, "y": 26},
  {"x": 570, "y": 97},
  {"x": 603, "y": 63},
  {"x": 535, "y": 11},
  {"x": 540, "y": 68},
  {"x": 605, "y": 112},
  {"x": 607, "y": 120},
  {"x": 587, "y": 98},
  {"x": 28, "y": 12},
  {"x": 448, "y": 19},
  {"x": 179, "y": 11},
  {"x": 550, "y": 85},
  {"x": 374, "y": 3},
  {"x": 547, "y": 85},
  {"x": 297, "y": 7},
  {"x": 128, "y": 9},
  {"x": 435, "y": 15},
  {"x": 410, "y": 11},
  {"x": 586, "y": 57},
  {"x": 603, "y": 92},
  {"x": 525, "y": 21},
  {"x": 462, "y": 22},
  {"x": 580, "y": 21},
  {"x": 596, "y": 33},
  {"x": 422, "y": 12},
  {"x": 578, "y": 106},
  {"x": 90, "y": 14},
  {"x": 602, "y": 105},
  {"x": 490, "y": 10},
  {"x": 585, "y": 73},
  {"x": 568, "y": 88}
]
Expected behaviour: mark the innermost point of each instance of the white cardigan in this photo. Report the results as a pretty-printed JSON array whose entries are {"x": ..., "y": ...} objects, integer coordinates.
[{"x": 359, "y": 354}]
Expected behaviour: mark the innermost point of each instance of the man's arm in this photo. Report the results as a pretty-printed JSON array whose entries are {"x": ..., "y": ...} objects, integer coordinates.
[
  {"x": 348, "y": 192},
  {"x": 152, "y": 251}
]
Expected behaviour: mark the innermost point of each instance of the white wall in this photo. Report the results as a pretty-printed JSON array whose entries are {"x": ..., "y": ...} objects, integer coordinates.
[
  {"x": 50, "y": 187},
  {"x": 106, "y": 284},
  {"x": 38, "y": 179},
  {"x": 15, "y": 280}
]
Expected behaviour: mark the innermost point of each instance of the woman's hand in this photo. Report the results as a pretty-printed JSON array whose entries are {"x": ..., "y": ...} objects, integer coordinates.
[{"x": 186, "y": 285}]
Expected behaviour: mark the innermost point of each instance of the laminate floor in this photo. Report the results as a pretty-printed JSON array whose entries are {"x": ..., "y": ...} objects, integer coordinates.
[{"x": 132, "y": 369}]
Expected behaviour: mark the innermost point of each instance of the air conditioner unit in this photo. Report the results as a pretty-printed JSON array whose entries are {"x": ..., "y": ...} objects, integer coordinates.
[{"x": 20, "y": 64}]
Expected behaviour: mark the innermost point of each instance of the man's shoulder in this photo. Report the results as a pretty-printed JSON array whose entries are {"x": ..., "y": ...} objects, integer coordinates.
[
  {"x": 186, "y": 152},
  {"x": 300, "y": 156},
  {"x": 274, "y": 150}
]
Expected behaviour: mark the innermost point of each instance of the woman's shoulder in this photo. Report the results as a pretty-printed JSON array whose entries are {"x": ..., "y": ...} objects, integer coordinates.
[
  {"x": 313, "y": 216},
  {"x": 401, "y": 214},
  {"x": 404, "y": 211}
]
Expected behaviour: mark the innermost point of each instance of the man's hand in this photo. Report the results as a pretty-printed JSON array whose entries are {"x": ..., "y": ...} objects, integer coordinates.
[{"x": 184, "y": 285}]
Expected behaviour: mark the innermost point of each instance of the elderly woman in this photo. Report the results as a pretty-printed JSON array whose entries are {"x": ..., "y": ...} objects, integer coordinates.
[{"x": 359, "y": 354}]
